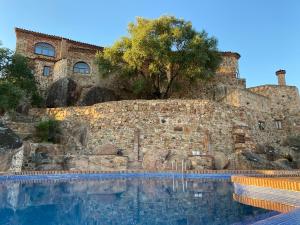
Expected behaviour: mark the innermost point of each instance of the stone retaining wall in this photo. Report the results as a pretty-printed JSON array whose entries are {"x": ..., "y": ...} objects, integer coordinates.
[{"x": 157, "y": 132}]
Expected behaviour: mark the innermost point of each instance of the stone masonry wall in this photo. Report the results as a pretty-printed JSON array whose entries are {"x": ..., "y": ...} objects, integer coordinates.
[
  {"x": 67, "y": 53},
  {"x": 158, "y": 132},
  {"x": 248, "y": 99},
  {"x": 284, "y": 99}
]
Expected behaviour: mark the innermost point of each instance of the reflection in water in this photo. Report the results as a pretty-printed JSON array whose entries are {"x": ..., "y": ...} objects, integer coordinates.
[{"x": 123, "y": 201}]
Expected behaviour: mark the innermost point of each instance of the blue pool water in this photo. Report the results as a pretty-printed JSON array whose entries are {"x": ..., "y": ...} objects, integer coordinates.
[{"x": 123, "y": 200}]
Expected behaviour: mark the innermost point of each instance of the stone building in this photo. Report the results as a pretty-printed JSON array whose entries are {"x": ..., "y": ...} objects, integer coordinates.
[
  {"x": 219, "y": 124},
  {"x": 57, "y": 57}
]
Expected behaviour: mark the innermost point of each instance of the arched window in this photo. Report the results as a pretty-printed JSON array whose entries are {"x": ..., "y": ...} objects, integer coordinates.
[
  {"x": 81, "y": 67},
  {"x": 44, "y": 49}
]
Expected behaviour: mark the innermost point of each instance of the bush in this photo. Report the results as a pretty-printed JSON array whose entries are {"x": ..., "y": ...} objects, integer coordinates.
[
  {"x": 10, "y": 96},
  {"x": 48, "y": 131},
  {"x": 37, "y": 100}
]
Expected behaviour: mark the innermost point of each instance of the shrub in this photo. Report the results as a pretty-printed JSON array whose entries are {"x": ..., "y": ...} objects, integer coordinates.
[
  {"x": 48, "y": 131},
  {"x": 10, "y": 96},
  {"x": 37, "y": 100}
]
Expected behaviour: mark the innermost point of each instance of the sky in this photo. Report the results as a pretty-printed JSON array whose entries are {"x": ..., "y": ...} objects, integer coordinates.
[{"x": 265, "y": 32}]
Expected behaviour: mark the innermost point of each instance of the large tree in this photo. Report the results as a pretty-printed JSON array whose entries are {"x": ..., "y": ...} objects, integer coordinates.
[{"x": 159, "y": 52}]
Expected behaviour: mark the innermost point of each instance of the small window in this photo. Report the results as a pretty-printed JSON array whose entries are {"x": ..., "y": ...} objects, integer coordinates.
[
  {"x": 46, "y": 71},
  {"x": 240, "y": 138},
  {"x": 44, "y": 49},
  {"x": 261, "y": 125},
  {"x": 81, "y": 67},
  {"x": 278, "y": 124}
]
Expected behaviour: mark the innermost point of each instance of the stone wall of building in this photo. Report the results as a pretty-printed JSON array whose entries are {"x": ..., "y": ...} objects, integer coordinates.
[
  {"x": 67, "y": 53},
  {"x": 284, "y": 99},
  {"x": 229, "y": 65},
  {"x": 156, "y": 133},
  {"x": 248, "y": 99}
]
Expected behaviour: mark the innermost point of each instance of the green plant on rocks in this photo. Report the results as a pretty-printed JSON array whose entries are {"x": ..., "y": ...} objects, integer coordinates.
[{"x": 48, "y": 131}]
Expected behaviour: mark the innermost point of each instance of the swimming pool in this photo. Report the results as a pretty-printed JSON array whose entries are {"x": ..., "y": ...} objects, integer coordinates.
[{"x": 149, "y": 198}]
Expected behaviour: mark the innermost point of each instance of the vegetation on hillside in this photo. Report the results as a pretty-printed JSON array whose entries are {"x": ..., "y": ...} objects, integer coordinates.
[
  {"x": 48, "y": 131},
  {"x": 17, "y": 81},
  {"x": 157, "y": 54}
]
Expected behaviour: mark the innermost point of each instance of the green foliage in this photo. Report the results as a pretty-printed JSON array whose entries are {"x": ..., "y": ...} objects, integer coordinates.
[
  {"x": 37, "y": 100},
  {"x": 158, "y": 52},
  {"x": 10, "y": 96},
  {"x": 48, "y": 131},
  {"x": 16, "y": 72}
]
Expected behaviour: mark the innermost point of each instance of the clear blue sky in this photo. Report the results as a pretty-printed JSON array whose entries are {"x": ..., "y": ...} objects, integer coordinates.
[{"x": 265, "y": 32}]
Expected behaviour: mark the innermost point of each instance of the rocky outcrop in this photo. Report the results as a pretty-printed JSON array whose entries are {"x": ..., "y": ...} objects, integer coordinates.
[
  {"x": 251, "y": 160},
  {"x": 98, "y": 95},
  {"x": 43, "y": 156},
  {"x": 64, "y": 92},
  {"x": 10, "y": 144}
]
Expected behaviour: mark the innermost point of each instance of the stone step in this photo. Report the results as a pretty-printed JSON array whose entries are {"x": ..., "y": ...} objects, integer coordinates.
[
  {"x": 135, "y": 165},
  {"x": 24, "y": 118},
  {"x": 24, "y": 130}
]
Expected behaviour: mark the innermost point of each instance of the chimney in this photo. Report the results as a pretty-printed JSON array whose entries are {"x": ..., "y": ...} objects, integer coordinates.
[{"x": 281, "y": 77}]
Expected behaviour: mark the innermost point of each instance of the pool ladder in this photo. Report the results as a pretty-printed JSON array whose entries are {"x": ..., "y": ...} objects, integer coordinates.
[{"x": 182, "y": 165}]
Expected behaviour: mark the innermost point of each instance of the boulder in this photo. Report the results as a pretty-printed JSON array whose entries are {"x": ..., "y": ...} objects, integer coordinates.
[
  {"x": 251, "y": 160},
  {"x": 98, "y": 95},
  {"x": 220, "y": 161},
  {"x": 10, "y": 145},
  {"x": 285, "y": 164},
  {"x": 200, "y": 162},
  {"x": 23, "y": 108},
  {"x": 64, "y": 92}
]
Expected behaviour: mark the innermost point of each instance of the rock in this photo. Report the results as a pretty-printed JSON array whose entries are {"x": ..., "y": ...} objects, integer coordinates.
[
  {"x": 220, "y": 161},
  {"x": 107, "y": 162},
  {"x": 285, "y": 164},
  {"x": 253, "y": 157},
  {"x": 77, "y": 134},
  {"x": 155, "y": 159},
  {"x": 201, "y": 162},
  {"x": 10, "y": 144},
  {"x": 97, "y": 162},
  {"x": 250, "y": 160},
  {"x": 80, "y": 162},
  {"x": 98, "y": 95},
  {"x": 64, "y": 92},
  {"x": 23, "y": 108},
  {"x": 44, "y": 156}
]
